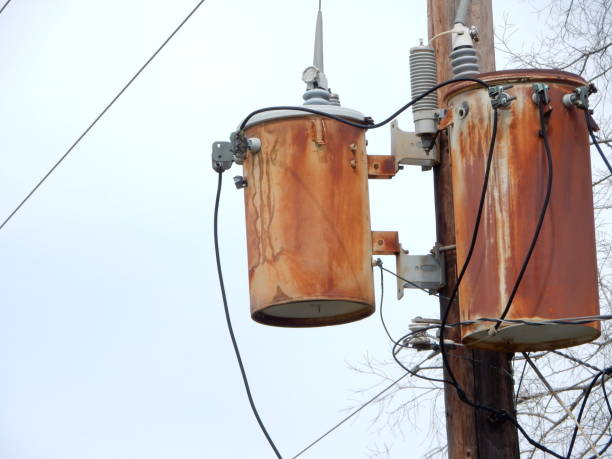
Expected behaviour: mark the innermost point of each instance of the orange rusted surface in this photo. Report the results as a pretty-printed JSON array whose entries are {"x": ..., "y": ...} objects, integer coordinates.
[
  {"x": 381, "y": 166},
  {"x": 561, "y": 278},
  {"x": 308, "y": 223},
  {"x": 385, "y": 243}
]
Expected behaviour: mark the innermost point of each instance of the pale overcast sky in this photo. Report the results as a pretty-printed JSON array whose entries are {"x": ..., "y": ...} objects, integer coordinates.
[{"x": 113, "y": 342}]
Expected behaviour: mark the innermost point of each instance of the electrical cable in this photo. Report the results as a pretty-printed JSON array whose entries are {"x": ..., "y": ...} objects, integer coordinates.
[
  {"x": 102, "y": 113},
  {"x": 536, "y": 234},
  {"x": 596, "y": 143},
  {"x": 351, "y": 415},
  {"x": 361, "y": 125},
  {"x": 229, "y": 321},
  {"x": 500, "y": 414},
  {"x": 4, "y": 6},
  {"x": 518, "y": 389},
  {"x": 469, "y": 253},
  {"x": 380, "y": 309},
  {"x": 398, "y": 343},
  {"x": 602, "y": 374}
]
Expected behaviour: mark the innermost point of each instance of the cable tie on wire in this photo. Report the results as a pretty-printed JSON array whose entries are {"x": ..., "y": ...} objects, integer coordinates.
[{"x": 492, "y": 330}]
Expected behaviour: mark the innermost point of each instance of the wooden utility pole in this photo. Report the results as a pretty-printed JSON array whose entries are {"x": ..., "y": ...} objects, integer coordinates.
[{"x": 486, "y": 377}]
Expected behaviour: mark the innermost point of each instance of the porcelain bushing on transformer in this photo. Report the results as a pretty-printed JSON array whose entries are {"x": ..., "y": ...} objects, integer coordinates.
[
  {"x": 308, "y": 220},
  {"x": 561, "y": 278}
]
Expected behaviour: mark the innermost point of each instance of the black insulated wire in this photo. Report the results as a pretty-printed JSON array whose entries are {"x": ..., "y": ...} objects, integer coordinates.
[
  {"x": 602, "y": 374},
  {"x": 380, "y": 308},
  {"x": 497, "y": 413},
  {"x": 313, "y": 111},
  {"x": 536, "y": 234},
  {"x": 229, "y": 321},
  {"x": 596, "y": 143},
  {"x": 468, "y": 257}
]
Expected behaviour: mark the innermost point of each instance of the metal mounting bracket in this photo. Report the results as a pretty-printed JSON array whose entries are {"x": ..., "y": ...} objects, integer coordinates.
[
  {"x": 225, "y": 153},
  {"x": 407, "y": 148},
  {"x": 222, "y": 156},
  {"x": 421, "y": 271}
]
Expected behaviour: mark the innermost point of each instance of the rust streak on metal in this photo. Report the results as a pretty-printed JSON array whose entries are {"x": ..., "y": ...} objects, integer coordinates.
[{"x": 385, "y": 243}]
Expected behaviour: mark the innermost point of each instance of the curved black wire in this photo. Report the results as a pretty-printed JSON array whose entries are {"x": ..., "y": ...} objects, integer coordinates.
[
  {"x": 518, "y": 389},
  {"x": 4, "y": 6},
  {"x": 536, "y": 233},
  {"x": 595, "y": 142},
  {"x": 229, "y": 321},
  {"x": 470, "y": 252},
  {"x": 380, "y": 309},
  {"x": 101, "y": 114},
  {"x": 603, "y": 375},
  {"x": 497, "y": 413},
  {"x": 346, "y": 418},
  {"x": 353, "y": 123}
]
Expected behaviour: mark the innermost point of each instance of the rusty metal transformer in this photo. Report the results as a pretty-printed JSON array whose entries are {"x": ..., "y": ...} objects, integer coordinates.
[
  {"x": 308, "y": 220},
  {"x": 561, "y": 278}
]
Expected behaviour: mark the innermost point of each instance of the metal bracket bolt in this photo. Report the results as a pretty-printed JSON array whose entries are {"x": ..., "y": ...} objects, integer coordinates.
[{"x": 499, "y": 98}]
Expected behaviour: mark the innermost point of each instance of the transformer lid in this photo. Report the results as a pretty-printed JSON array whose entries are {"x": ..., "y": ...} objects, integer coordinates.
[{"x": 335, "y": 110}]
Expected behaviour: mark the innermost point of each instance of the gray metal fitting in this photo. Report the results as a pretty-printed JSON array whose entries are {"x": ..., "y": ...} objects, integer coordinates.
[
  {"x": 499, "y": 98},
  {"x": 474, "y": 33},
  {"x": 222, "y": 156},
  {"x": 540, "y": 94},
  {"x": 240, "y": 182},
  {"x": 254, "y": 144},
  {"x": 579, "y": 97}
]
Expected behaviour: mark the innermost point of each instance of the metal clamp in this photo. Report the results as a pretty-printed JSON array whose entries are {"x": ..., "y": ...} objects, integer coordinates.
[
  {"x": 499, "y": 98},
  {"x": 225, "y": 153},
  {"x": 580, "y": 97},
  {"x": 540, "y": 94}
]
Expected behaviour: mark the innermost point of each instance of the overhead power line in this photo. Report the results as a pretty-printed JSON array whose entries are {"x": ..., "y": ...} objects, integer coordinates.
[
  {"x": 363, "y": 405},
  {"x": 102, "y": 113},
  {"x": 4, "y": 6}
]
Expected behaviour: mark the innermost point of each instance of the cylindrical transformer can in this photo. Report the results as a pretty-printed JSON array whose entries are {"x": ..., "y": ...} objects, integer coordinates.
[
  {"x": 561, "y": 278},
  {"x": 308, "y": 220}
]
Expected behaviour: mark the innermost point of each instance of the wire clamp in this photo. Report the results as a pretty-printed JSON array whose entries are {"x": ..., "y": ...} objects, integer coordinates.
[
  {"x": 540, "y": 94},
  {"x": 226, "y": 153},
  {"x": 499, "y": 97},
  {"x": 579, "y": 97}
]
